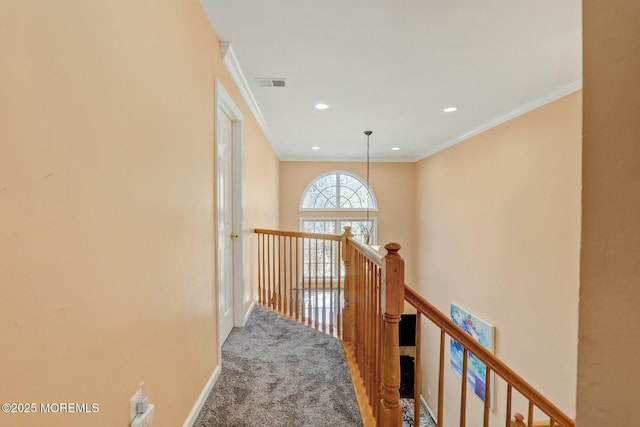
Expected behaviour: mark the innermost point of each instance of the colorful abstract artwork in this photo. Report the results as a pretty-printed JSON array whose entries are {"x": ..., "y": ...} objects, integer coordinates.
[{"x": 482, "y": 332}]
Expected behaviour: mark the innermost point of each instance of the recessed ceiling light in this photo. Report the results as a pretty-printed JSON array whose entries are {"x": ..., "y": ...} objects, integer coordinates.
[
  {"x": 395, "y": 148},
  {"x": 315, "y": 147},
  {"x": 321, "y": 106},
  {"x": 450, "y": 109}
]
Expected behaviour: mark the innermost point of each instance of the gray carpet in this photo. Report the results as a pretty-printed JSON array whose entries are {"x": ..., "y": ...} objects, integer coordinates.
[{"x": 276, "y": 372}]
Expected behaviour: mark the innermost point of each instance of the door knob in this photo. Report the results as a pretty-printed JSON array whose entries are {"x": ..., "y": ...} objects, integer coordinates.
[{"x": 234, "y": 235}]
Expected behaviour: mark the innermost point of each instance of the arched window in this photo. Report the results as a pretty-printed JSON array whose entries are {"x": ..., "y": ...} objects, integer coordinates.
[
  {"x": 340, "y": 192},
  {"x": 336, "y": 191}
]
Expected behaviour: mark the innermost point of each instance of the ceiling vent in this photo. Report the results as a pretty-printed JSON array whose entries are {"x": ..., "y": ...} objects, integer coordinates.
[{"x": 272, "y": 82}]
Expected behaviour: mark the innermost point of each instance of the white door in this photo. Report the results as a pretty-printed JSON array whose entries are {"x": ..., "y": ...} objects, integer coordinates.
[{"x": 226, "y": 233}]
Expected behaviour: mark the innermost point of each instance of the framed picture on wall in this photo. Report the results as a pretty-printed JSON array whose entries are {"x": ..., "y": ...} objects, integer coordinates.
[{"x": 482, "y": 332}]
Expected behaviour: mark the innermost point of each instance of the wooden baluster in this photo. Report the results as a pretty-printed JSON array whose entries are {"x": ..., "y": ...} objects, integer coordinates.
[
  {"x": 264, "y": 284},
  {"x": 347, "y": 335},
  {"x": 276, "y": 270},
  {"x": 367, "y": 329},
  {"x": 487, "y": 397},
  {"x": 316, "y": 280},
  {"x": 259, "y": 273},
  {"x": 530, "y": 414},
  {"x": 310, "y": 278},
  {"x": 341, "y": 284},
  {"x": 265, "y": 269},
  {"x": 353, "y": 292},
  {"x": 509, "y": 390},
  {"x": 331, "y": 274},
  {"x": 365, "y": 324},
  {"x": 291, "y": 282},
  {"x": 379, "y": 346},
  {"x": 274, "y": 291},
  {"x": 463, "y": 393},
  {"x": 303, "y": 279},
  {"x": 311, "y": 281},
  {"x": 279, "y": 277},
  {"x": 269, "y": 256},
  {"x": 417, "y": 379},
  {"x": 279, "y": 273},
  {"x": 361, "y": 311},
  {"x": 365, "y": 332},
  {"x": 276, "y": 281},
  {"x": 358, "y": 312},
  {"x": 283, "y": 263},
  {"x": 297, "y": 257},
  {"x": 282, "y": 297},
  {"x": 518, "y": 421},
  {"x": 356, "y": 305},
  {"x": 392, "y": 305},
  {"x": 324, "y": 285},
  {"x": 441, "y": 382},
  {"x": 370, "y": 320},
  {"x": 283, "y": 266}
]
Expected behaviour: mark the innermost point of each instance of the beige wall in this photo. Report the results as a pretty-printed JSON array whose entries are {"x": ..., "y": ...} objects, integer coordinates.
[
  {"x": 106, "y": 205},
  {"x": 608, "y": 368},
  {"x": 261, "y": 192},
  {"x": 392, "y": 183},
  {"x": 498, "y": 226}
]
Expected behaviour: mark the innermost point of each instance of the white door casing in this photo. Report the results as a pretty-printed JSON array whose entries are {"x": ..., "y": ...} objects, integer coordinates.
[{"x": 230, "y": 284}]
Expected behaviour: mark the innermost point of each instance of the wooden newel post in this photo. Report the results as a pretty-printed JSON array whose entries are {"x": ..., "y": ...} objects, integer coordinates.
[
  {"x": 518, "y": 421},
  {"x": 347, "y": 317},
  {"x": 392, "y": 307}
]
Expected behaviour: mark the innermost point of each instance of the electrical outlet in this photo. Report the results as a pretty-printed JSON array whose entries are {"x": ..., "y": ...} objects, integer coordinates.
[
  {"x": 132, "y": 404},
  {"x": 145, "y": 419},
  {"x": 429, "y": 391}
]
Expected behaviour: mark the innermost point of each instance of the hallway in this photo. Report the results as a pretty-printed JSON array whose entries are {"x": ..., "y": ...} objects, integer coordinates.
[{"x": 276, "y": 372}]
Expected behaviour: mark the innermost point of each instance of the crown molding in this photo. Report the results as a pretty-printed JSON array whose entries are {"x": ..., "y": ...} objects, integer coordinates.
[
  {"x": 530, "y": 106},
  {"x": 232, "y": 64},
  {"x": 347, "y": 159}
]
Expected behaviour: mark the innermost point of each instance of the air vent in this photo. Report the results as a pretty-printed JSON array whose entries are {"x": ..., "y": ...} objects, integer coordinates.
[{"x": 272, "y": 82}]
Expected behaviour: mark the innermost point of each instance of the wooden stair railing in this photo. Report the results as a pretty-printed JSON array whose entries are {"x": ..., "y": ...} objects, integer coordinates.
[
  {"x": 300, "y": 276},
  {"x": 291, "y": 270},
  {"x": 494, "y": 364},
  {"x": 374, "y": 300}
]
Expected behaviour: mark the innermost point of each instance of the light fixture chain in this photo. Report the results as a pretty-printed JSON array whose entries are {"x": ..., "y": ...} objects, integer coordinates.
[
  {"x": 368, "y": 185},
  {"x": 368, "y": 229}
]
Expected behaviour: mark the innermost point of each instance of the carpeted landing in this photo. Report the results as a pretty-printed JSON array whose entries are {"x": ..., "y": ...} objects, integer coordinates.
[{"x": 276, "y": 372}]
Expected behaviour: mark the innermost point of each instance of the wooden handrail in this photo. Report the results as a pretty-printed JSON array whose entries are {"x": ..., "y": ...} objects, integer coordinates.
[
  {"x": 370, "y": 298},
  {"x": 495, "y": 364},
  {"x": 367, "y": 250},
  {"x": 319, "y": 236},
  {"x": 300, "y": 276}
]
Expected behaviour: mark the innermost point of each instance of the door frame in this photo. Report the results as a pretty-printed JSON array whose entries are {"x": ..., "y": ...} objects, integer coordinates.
[{"x": 225, "y": 105}]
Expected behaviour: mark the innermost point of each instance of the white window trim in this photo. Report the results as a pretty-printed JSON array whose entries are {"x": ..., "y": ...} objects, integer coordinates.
[
  {"x": 373, "y": 219},
  {"x": 337, "y": 209}
]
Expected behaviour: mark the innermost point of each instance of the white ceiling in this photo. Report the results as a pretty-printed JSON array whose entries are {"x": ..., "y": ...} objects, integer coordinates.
[{"x": 393, "y": 66}]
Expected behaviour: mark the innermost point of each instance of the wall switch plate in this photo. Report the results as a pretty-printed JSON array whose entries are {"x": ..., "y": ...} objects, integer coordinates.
[{"x": 132, "y": 404}]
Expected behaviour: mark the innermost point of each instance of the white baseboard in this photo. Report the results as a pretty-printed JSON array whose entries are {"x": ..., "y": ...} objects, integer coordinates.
[
  {"x": 424, "y": 402},
  {"x": 202, "y": 398},
  {"x": 251, "y": 307}
]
